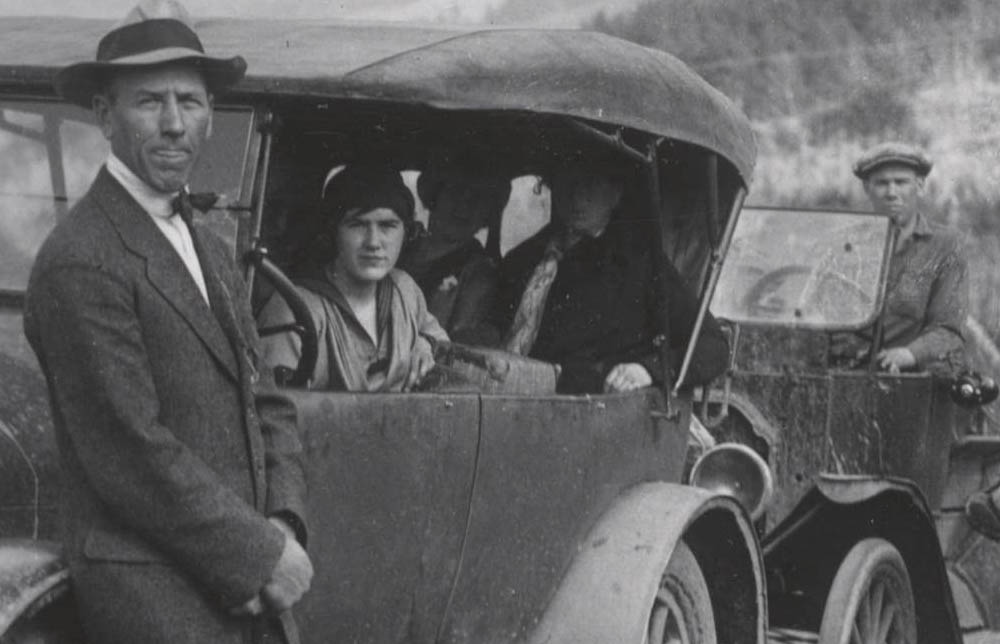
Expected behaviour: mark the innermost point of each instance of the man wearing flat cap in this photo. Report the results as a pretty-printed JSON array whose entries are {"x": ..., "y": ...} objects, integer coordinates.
[
  {"x": 927, "y": 296},
  {"x": 183, "y": 503}
]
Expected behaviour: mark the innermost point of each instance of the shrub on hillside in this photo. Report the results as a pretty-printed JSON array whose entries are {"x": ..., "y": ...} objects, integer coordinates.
[{"x": 870, "y": 113}]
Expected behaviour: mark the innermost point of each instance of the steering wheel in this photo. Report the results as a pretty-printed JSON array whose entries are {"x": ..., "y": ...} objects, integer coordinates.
[
  {"x": 763, "y": 297},
  {"x": 303, "y": 326},
  {"x": 835, "y": 291}
]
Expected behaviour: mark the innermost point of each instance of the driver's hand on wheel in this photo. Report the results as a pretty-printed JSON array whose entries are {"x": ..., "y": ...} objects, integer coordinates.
[
  {"x": 896, "y": 359},
  {"x": 421, "y": 362},
  {"x": 626, "y": 377},
  {"x": 848, "y": 350}
]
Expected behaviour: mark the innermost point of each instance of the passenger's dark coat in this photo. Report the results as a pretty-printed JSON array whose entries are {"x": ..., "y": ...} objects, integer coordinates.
[
  {"x": 604, "y": 309},
  {"x": 172, "y": 463}
]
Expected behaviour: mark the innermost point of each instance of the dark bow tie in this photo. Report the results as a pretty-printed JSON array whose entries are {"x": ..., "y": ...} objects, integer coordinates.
[{"x": 185, "y": 203}]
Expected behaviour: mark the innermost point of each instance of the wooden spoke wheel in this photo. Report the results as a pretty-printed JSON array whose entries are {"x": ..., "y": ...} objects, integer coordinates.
[
  {"x": 871, "y": 601},
  {"x": 682, "y": 611}
]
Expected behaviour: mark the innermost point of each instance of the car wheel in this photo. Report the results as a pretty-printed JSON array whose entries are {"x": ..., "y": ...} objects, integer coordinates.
[
  {"x": 52, "y": 619},
  {"x": 682, "y": 611},
  {"x": 871, "y": 601}
]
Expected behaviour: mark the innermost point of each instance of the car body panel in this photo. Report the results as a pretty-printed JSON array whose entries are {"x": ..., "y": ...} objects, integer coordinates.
[
  {"x": 539, "y": 489},
  {"x": 851, "y": 422},
  {"x": 453, "y": 517},
  {"x": 29, "y": 493},
  {"x": 390, "y": 478},
  {"x": 611, "y": 583}
]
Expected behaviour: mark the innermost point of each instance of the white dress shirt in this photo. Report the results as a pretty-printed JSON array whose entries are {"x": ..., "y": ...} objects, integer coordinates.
[{"x": 157, "y": 205}]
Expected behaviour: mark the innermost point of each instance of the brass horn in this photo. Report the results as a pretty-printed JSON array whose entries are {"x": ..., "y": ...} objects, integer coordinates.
[{"x": 735, "y": 470}]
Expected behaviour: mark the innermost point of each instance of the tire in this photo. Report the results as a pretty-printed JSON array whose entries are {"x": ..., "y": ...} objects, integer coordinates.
[
  {"x": 871, "y": 600},
  {"x": 682, "y": 611},
  {"x": 50, "y": 620}
]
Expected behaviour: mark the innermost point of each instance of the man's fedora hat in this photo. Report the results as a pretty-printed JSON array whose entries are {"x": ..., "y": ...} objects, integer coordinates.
[
  {"x": 154, "y": 32},
  {"x": 892, "y": 152}
]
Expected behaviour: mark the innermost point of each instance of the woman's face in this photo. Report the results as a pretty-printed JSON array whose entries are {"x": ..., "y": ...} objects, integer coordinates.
[{"x": 368, "y": 244}]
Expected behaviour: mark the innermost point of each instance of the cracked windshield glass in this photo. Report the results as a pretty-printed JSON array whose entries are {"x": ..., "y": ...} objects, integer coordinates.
[{"x": 803, "y": 268}]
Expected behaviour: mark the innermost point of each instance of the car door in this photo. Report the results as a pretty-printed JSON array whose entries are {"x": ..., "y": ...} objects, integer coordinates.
[
  {"x": 548, "y": 468},
  {"x": 390, "y": 480}
]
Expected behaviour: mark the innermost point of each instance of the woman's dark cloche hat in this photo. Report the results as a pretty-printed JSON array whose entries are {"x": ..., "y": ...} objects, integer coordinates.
[
  {"x": 892, "y": 152},
  {"x": 367, "y": 186},
  {"x": 154, "y": 32}
]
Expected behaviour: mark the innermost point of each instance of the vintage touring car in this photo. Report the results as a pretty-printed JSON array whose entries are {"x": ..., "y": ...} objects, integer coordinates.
[{"x": 511, "y": 514}]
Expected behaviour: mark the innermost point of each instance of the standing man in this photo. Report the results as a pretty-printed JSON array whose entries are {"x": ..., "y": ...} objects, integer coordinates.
[
  {"x": 183, "y": 504},
  {"x": 927, "y": 294}
]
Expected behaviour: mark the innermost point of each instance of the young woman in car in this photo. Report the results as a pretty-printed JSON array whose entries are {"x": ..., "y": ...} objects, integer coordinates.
[{"x": 375, "y": 332}]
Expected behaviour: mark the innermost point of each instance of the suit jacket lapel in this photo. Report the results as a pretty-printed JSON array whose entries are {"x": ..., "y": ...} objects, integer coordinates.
[
  {"x": 164, "y": 268},
  {"x": 223, "y": 305}
]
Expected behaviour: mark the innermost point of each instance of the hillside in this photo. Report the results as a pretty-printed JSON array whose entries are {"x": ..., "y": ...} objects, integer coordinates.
[
  {"x": 550, "y": 13},
  {"x": 823, "y": 79},
  {"x": 553, "y": 13}
]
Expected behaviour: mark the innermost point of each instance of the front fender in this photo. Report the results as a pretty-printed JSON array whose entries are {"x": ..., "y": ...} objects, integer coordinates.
[
  {"x": 802, "y": 554},
  {"x": 609, "y": 589},
  {"x": 32, "y": 576}
]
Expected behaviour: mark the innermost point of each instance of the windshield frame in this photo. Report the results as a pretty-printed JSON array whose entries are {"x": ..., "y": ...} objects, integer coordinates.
[{"x": 880, "y": 284}]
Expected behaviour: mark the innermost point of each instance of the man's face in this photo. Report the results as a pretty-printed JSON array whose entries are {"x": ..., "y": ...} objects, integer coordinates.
[
  {"x": 464, "y": 206},
  {"x": 156, "y": 120},
  {"x": 895, "y": 191},
  {"x": 583, "y": 199}
]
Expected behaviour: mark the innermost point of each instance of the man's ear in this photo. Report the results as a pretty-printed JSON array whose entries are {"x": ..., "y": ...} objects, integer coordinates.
[
  {"x": 101, "y": 104},
  {"x": 211, "y": 112},
  {"x": 920, "y": 181},
  {"x": 866, "y": 185}
]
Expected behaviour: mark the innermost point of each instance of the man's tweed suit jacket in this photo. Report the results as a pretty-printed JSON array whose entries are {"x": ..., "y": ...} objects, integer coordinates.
[{"x": 175, "y": 447}]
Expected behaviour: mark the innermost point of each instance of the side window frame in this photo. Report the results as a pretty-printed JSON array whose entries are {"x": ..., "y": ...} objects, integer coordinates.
[
  {"x": 236, "y": 207},
  {"x": 45, "y": 106}
]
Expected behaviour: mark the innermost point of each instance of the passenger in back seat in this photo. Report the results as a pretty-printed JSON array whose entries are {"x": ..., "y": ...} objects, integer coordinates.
[
  {"x": 585, "y": 292},
  {"x": 457, "y": 275}
]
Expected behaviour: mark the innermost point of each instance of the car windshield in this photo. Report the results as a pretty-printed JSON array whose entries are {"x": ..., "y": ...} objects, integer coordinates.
[{"x": 803, "y": 268}]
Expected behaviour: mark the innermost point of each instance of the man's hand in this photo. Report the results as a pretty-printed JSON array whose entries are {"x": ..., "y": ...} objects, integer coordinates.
[
  {"x": 896, "y": 359},
  {"x": 848, "y": 350},
  {"x": 626, "y": 377},
  {"x": 291, "y": 576},
  {"x": 421, "y": 361},
  {"x": 296, "y": 575}
]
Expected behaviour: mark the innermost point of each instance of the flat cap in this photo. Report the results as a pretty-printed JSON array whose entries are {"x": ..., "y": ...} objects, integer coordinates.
[{"x": 892, "y": 152}]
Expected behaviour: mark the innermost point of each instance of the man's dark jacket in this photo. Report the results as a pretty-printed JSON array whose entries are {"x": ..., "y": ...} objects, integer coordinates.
[
  {"x": 174, "y": 445},
  {"x": 605, "y": 308}
]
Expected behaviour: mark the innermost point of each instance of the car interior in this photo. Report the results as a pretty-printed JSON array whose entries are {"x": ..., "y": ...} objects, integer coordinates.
[{"x": 312, "y": 138}]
